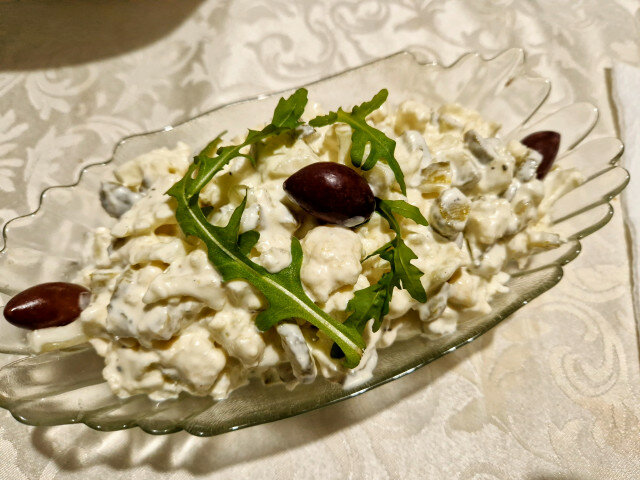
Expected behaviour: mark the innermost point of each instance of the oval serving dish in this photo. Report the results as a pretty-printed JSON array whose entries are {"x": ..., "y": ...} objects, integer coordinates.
[{"x": 66, "y": 386}]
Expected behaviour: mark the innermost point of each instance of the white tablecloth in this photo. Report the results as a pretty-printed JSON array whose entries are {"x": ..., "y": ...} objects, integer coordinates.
[{"x": 554, "y": 392}]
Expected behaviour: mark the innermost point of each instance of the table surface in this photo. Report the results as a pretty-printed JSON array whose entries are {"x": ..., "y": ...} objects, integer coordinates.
[{"x": 554, "y": 392}]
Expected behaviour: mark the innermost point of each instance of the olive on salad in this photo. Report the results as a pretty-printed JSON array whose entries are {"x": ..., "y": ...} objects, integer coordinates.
[
  {"x": 547, "y": 144},
  {"x": 332, "y": 192},
  {"x": 46, "y": 305}
]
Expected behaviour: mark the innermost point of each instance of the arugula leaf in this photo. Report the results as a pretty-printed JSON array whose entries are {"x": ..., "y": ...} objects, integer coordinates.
[
  {"x": 212, "y": 146},
  {"x": 373, "y": 302},
  {"x": 402, "y": 208},
  {"x": 247, "y": 240},
  {"x": 381, "y": 147},
  {"x": 387, "y": 208},
  {"x": 399, "y": 255},
  {"x": 286, "y": 116},
  {"x": 227, "y": 250}
]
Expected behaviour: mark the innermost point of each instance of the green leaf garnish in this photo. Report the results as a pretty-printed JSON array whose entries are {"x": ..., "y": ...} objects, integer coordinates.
[
  {"x": 247, "y": 240},
  {"x": 405, "y": 209},
  {"x": 381, "y": 147},
  {"x": 227, "y": 250},
  {"x": 373, "y": 302},
  {"x": 399, "y": 255},
  {"x": 286, "y": 117}
]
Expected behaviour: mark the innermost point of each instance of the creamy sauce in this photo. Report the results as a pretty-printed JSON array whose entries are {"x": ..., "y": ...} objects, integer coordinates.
[{"x": 165, "y": 322}]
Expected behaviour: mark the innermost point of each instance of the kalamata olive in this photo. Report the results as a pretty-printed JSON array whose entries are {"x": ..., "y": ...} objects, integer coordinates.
[
  {"x": 332, "y": 192},
  {"x": 47, "y": 305},
  {"x": 546, "y": 143}
]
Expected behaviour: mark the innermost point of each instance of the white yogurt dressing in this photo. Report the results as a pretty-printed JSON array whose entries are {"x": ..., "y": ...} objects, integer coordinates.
[{"x": 165, "y": 322}]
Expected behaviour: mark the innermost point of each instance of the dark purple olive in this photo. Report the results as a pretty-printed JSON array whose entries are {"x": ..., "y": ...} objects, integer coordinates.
[
  {"x": 546, "y": 143},
  {"x": 47, "y": 305},
  {"x": 332, "y": 192}
]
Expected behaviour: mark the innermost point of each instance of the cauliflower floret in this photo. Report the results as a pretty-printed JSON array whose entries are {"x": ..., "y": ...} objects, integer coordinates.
[
  {"x": 525, "y": 202},
  {"x": 190, "y": 276},
  {"x": 196, "y": 359},
  {"x": 437, "y": 258},
  {"x": 150, "y": 248},
  {"x": 243, "y": 294},
  {"x": 153, "y": 210},
  {"x": 465, "y": 291},
  {"x": 232, "y": 183},
  {"x": 96, "y": 248},
  {"x": 435, "y": 305},
  {"x": 130, "y": 316},
  {"x": 452, "y": 116},
  {"x": 276, "y": 225},
  {"x": 401, "y": 303},
  {"x": 412, "y": 115},
  {"x": 191, "y": 363},
  {"x": 374, "y": 234},
  {"x": 145, "y": 170},
  {"x": 331, "y": 260},
  {"x": 102, "y": 284},
  {"x": 130, "y": 371},
  {"x": 492, "y": 261},
  {"x": 336, "y": 305},
  {"x": 235, "y": 330},
  {"x": 490, "y": 219},
  {"x": 381, "y": 179},
  {"x": 445, "y": 324},
  {"x": 280, "y": 159}
]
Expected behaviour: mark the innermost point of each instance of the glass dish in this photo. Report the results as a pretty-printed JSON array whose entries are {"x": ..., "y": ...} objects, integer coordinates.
[{"x": 66, "y": 386}]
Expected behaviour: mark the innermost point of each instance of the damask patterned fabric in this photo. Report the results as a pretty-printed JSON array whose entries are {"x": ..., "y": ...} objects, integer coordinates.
[{"x": 554, "y": 392}]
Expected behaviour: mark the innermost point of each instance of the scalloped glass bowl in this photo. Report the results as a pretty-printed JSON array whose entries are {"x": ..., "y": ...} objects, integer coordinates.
[{"x": 66, "y": 386}]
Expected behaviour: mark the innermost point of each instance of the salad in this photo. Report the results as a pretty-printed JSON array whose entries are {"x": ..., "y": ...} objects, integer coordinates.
[{"x": 302, "y": 248}]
